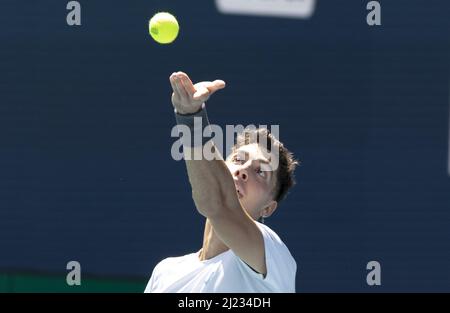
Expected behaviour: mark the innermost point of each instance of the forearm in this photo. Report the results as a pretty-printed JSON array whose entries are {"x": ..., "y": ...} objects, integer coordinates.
[
  {"x": 210, "y": 179},
  {"x": 211, "y": 184}
]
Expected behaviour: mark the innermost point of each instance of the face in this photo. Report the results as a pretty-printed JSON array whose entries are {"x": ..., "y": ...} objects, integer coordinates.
[{"x": 254, "y": 179}]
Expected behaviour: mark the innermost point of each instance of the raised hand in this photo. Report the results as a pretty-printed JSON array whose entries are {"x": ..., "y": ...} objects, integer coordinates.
[{"x": 188, "y": 98}]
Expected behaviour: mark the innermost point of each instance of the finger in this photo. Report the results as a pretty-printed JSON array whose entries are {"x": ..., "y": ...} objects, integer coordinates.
[
  {"x": 184, "y": 75},
  {"x": 190, "y": 89},
  {"x": 187, "y": 83},
  {"x": 180, "y": 88},
  {"x": 172, "y": 82}
]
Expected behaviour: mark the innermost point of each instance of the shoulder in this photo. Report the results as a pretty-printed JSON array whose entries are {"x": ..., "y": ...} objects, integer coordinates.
[
  {"x": 281, "y": 265},
  {"x": 170, "y": 262},
  {"x": 269, "y": 233},
  {"x": 273, "y": 242},
  {"x": 171, "y": 265},
  {"x": 167, "y": 268}
]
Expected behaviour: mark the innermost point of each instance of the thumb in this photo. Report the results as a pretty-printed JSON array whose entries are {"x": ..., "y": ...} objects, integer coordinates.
[
  {"x": 216, "y": 85},
  {"x": 206, "y": 89},
  {"x": 202, "y": 93}
]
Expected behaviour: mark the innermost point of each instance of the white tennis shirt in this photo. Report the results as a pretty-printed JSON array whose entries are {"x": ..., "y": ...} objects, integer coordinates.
[{"x": 226, "y": 272}]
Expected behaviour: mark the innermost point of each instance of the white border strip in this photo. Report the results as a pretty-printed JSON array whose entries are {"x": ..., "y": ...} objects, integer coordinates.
[{"x": 279, "y": 8}]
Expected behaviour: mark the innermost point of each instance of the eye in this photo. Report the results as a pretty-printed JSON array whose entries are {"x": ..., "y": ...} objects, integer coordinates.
[
  {"x": 236, "y": 159},
  {"x": 260, "y": 172}
]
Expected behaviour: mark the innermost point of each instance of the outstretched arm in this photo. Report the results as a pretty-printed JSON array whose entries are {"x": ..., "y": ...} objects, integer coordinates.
[{"x": 213, "y": 188}]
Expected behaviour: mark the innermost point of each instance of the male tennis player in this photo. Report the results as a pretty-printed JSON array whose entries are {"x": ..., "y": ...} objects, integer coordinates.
[{"x": 239, "y": 254}]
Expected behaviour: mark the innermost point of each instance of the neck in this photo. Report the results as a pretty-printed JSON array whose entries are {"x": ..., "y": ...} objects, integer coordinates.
[{"x": 212, "y": 245}]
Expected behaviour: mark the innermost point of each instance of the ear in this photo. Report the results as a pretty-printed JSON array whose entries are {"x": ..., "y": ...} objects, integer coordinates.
[{"x": 268, "y": 211}]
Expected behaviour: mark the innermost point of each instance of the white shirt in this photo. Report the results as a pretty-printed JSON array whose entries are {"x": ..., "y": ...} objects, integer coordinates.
[{"x": 226, "y": 272}]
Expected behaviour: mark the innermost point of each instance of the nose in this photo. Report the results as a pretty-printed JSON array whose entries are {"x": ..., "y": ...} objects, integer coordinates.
[{"x": 242, "y": 174}]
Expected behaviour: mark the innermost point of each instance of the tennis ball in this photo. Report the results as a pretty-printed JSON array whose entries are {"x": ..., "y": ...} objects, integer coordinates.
[{"x": 163, "y": 27}]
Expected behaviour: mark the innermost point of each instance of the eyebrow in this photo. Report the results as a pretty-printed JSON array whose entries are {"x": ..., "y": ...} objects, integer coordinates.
[
  {"x": 258, "y": 159},
  {"x": 265, "y": 161}
]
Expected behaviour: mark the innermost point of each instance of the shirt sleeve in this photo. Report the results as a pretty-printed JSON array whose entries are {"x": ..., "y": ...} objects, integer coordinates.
[{"x": 150, "y": 285}]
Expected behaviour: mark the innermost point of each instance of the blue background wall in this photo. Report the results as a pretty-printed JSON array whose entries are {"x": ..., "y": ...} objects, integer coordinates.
[{"x": 85, "y": 118}]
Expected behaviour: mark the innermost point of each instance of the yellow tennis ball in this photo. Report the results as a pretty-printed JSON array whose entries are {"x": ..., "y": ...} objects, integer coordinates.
[{"x": 163, "y": 27}]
